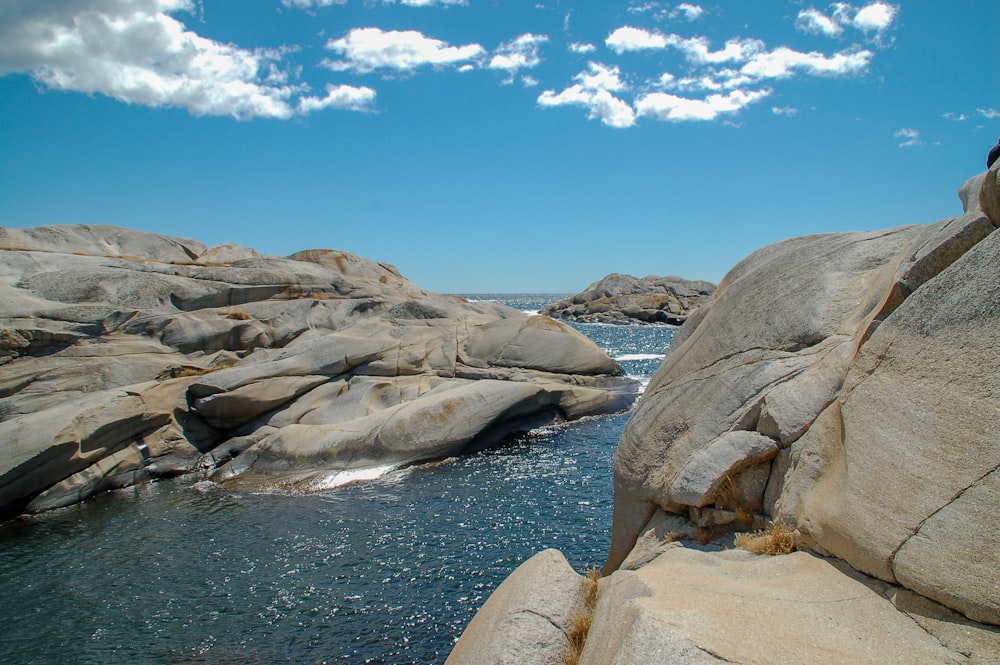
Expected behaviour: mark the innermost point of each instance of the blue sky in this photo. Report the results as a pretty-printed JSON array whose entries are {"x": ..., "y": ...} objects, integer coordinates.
[{"x": 491, "y": 145}]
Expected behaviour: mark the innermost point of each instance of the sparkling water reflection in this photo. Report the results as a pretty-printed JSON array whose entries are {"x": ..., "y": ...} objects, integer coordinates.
[{"x": 385, "y": 571}]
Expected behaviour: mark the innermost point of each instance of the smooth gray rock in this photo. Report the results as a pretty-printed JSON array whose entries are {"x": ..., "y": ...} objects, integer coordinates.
[
  {"x": 989, "y": 194},
  {"x": 114, "y": 343},
  {"x": 869, "y": 361},
  {"x": 688, "y": 606},
  {"x": 625, "y": 299},
  {"x": 902, "y": 464},
  {"x": 525, "y": 620}
]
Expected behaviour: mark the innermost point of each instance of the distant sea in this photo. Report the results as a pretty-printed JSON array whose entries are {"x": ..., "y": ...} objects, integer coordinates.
[{"x": 386, "y": 571}]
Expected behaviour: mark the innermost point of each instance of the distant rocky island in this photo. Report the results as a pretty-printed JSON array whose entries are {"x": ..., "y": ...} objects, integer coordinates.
[
  {"x": 623, "y": 299},
  {"x": 128, "y": 356},
  {"x": 837, "y": 396}
]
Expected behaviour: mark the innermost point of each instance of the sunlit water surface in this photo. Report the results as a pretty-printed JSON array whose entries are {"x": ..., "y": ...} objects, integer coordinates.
[{"x": 388, "y": 571}]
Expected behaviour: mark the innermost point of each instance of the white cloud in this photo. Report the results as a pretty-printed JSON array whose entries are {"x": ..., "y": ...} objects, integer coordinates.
[
  {"x": 957, "y": 117},
  {"x": 367, "y": 49},
  {"x": 874, "y": 17},
  {"x": 344, "y": 97},
  {"x": 582, "y": 48},
  {"x": 429, "y": 3},
  {"x": 628, "y": 38},
  {"x": 877, "y": 16},
  {"x": 136, "y": 52},
  {"x": 664, "y": 106},
  {"x": 990, "y": 113},
  {"x": 593, "y": 90},
  {"x": 691, "y": 12},
  {"x": 789, "y": 111},
  {"x": 782, "y": 62},
  {"x": 816, "y": 22},
  {"x": 309, "y": 4},
  {"x": 911, "y": 137},
  {"x": 519, "y": 53},
  {"x": 529, "y": 81},
  {"x": 697, "y": 49},
  {"x": 665, "y": 13}
]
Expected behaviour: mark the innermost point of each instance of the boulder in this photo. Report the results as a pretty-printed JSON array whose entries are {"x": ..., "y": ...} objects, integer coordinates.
[
  {"x": 526, "y": 619},
  {"x": 843, "y": 384},
  {"x": 688, "y": 606},
  {"x": 989, "y": 194},
  {"x": 126, "y": 356},
  {"x": 911, "y": 458},
  {"x": 623, "y": 299}
]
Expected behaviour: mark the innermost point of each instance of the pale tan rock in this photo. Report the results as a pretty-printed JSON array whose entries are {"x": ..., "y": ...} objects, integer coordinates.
[
  {"x": 688, "y": 606},
  {"x": 989, "y": 194},
  {"x": 911, "y": 445},
  {"x": 524, "y": 622},
  {"x": 342, "y": 350}
]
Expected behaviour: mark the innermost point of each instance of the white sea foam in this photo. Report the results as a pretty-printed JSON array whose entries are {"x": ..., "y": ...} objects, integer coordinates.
[
  {"x": 340, "y": 478},
  {"x": 640, "y": 356},
  {"x": 643, "y": 382}
]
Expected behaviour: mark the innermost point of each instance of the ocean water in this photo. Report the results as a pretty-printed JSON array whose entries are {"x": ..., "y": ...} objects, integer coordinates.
[{"x": 387, "y": 570}]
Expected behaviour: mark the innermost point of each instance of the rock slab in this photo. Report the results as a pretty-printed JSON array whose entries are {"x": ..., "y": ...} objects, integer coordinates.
[{"x": 127, "y": 356}]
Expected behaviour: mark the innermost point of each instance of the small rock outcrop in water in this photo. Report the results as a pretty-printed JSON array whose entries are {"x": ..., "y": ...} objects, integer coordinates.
[
  {"x": 845, "y": 386},
  {"x": 624, "y": 299},
  {"x": 126, "y": 356}
]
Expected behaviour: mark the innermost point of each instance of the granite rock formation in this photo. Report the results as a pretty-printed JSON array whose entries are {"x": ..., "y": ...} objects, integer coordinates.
[
  {"x": 126, "y": 356},
  {"x": 843, "y": 385},
  {"x": 623, "y": 299}
]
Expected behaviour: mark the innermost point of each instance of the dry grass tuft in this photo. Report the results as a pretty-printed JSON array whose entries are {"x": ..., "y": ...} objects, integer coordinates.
[
  {"x": 238, "y": 315},
  {"x": 581, "y": 619},
  {"x": 729, "y": 497},
  {"x": 189, "y": 370},
  {"x": 776, "y": 539}
]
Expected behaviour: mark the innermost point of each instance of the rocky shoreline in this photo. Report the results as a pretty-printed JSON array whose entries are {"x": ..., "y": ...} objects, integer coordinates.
[
  {"x": 623, "y": 300},
  {"x": 840, "y": 389},
  {"x": 128, "y": 356}
]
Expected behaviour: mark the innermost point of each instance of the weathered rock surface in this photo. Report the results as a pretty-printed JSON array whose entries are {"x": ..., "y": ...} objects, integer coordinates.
[
  {"x": 127, "y": 355},
  {"x": 845, "y": 385},
  {"x": 870, "y": 364},
  {"x": 526, "y": 619},
  {"x": 688, "y": 606},
  {"x": 623, "y": 299}
]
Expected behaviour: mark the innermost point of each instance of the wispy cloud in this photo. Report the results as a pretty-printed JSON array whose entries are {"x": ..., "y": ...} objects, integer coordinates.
[
  {"x": 990, "y": 113},
  {"x": 789, "y": 111},
  {"x": 343, "y": 97},
  {"x": 664, "y": 106},
  {"x": 783, "y": 62},
  {"x": 138, "y": 53},
  {"x": 875, "y": 17},
  {"x": 957, "y": 117},
  {"x": 519, "y": 53},
  {"x": 689, "y": 11},
  {"x": 594, "y": 90},
  {"x": 367, "y": 49},
  {"x": 664, "y": 12},
  {"x": 911, "y": 137},
  {"x": 309, "y": 4},
  {"x": 428, "y": 3},
  {"x": 628, "y": 38},
  {"x": 582, "y": 48}
]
